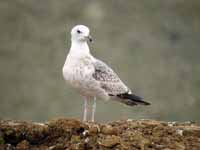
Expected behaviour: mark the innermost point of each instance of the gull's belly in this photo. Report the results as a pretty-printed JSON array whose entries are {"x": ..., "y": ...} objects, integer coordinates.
[{"x": 80, "y": 78}]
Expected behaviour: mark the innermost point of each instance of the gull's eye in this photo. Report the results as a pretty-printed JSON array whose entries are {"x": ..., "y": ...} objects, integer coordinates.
[{"x": 78, "y": 31}]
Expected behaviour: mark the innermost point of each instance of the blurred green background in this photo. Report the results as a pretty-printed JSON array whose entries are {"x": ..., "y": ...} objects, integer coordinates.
[{"x": 153, "y": 45}]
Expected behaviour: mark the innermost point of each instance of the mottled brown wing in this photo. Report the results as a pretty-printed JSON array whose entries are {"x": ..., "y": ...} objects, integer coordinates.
[{"x": 108, "y": 79}]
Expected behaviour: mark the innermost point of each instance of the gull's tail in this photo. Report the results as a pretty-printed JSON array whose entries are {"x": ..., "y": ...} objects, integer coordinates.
[{"x": 131, "y": 99}]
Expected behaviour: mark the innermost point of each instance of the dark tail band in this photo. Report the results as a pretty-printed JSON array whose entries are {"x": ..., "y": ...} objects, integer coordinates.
[{"x": 131, "y": 99}]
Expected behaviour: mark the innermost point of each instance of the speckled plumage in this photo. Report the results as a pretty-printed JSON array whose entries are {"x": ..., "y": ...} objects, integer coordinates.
[
  {"x": 108, "y": 79},
  {"x": 91, "y": 77}
]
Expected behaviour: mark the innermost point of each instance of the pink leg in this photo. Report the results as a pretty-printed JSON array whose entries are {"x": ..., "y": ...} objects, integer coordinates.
[
  {"x": 93, "y": 109},
  {"x": 85, "y": 109}
]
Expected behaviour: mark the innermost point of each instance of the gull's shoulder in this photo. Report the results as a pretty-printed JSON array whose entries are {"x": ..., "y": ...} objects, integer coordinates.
[
  {"x": 108, "y": 79},
  {"x": 103, "y": 72}
]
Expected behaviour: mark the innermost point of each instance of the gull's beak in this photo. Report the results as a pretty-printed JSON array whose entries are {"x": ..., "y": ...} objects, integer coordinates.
[{"x": 89, "y": 37}]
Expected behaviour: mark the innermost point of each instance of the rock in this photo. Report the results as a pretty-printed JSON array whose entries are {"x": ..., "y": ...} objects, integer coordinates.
[
  {"x": 109, "y": 130},
  {"x": 110, "y": 141},
  {"x": 94, "y": 129},
  {"x": 67, "y": 125},
  {"x": 2, "y": 141},
  {"x": 24, "y": 145},
  {"x": 180, "y": 145},
  {"x": 75, "y": 139},
  {"x": 192, "y": 131},
  {"x": 60, "y": 134}
]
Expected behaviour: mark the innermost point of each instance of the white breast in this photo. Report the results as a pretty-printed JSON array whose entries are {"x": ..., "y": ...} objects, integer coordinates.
[{"x": 77, "y": 71}]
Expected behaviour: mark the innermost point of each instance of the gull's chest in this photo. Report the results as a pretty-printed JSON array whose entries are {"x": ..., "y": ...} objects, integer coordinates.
[{"x": 77, "y": 71}]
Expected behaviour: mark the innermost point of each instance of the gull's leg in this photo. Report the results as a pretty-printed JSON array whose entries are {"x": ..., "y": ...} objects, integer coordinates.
[
  {"x": 85, "y": 109},
  {"x": 93, "y": 109}
]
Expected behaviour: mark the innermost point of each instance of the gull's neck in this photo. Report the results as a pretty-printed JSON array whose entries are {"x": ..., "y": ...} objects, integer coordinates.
[{"x": 79, "y": 48}]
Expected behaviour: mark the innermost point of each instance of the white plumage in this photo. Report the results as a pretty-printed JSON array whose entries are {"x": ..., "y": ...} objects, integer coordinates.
[{"x": 91, "y": 77}]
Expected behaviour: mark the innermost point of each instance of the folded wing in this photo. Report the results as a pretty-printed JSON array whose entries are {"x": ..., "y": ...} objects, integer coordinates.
[{"x": 113, "y": 86}]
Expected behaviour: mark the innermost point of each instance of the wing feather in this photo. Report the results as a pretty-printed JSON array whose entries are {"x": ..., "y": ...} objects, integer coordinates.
[{"x": 108, "y": 79}]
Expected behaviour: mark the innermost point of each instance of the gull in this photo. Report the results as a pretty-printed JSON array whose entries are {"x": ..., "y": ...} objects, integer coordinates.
[{"x": 91, "y": 77}]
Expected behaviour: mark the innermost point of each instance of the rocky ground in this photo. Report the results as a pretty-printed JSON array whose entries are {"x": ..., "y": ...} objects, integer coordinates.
[{"x": 61, "y": 134}]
